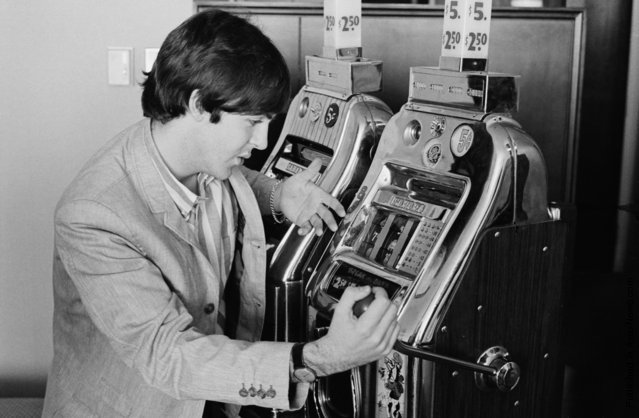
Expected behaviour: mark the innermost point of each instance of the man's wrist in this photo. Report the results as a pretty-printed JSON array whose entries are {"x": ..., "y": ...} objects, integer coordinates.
[{"x": 301, "y": 371}]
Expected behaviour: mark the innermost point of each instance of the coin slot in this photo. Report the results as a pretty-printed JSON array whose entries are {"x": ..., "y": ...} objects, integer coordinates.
[
  {"x": 303, "y": 107},
  {"x": 413, "y": 132}
]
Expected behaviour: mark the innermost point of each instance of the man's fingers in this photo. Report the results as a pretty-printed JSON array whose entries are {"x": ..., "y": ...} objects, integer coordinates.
[
  {"x": 351, "y": 295},
  {"x": 317, "y": 223},
  {"x": 327, "y": 217},
  {"x": 380, "y": 293},
  {"x": 381, "y": 311},
  {"x": 305, "y": 229},
  {"x": 336, "y": 206},
  {"x": 312, "y": 171}
]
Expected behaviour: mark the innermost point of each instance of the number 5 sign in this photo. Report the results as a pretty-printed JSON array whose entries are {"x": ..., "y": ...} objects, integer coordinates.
[{"x": 466, "y": 29}]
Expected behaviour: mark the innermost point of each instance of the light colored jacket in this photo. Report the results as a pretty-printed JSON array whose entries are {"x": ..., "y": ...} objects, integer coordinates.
[{"x": 136, "y": 300}]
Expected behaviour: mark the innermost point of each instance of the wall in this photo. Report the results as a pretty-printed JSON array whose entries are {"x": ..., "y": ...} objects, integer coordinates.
[{"x": 55, "y": 110}]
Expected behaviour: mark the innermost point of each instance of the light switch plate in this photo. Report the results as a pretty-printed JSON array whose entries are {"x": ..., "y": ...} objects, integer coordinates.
[{"x": 120, "y": 63}]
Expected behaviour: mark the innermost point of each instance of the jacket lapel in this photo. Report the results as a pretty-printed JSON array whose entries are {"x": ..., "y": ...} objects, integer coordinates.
[{"x": 154, "y": 191}]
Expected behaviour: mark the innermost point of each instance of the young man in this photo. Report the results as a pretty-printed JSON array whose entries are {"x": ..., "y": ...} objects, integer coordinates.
[{"x": 160, "y": 254}]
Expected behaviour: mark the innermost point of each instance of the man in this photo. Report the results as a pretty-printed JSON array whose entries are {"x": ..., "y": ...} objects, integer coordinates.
[{"x": 160, "y": 253}]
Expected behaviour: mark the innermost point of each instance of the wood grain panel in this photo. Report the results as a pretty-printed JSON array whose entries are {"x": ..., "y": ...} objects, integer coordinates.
[{"x": 519, "y": 287}]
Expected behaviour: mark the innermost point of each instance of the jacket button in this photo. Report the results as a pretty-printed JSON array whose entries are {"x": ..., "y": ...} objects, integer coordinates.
[{"x": 209, "y": 308}]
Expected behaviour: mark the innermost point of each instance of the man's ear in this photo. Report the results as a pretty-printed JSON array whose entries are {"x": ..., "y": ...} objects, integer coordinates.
[{"x": 195, "y": 106}]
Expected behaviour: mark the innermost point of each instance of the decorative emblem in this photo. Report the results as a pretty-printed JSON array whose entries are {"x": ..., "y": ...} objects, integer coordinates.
[
  {"x": 432, "y": 153},
  {"x": 316, "y": 111},
  {"x": 461, "y": 140},
  {"x": 391, "y": 394},
  {"x": 437, "y": 126},
  {"x": 331, "y": 115}
]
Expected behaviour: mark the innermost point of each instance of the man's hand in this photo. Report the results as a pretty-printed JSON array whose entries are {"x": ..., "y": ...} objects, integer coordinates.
[
  {"x": 306, "y": 204},
  {"x": 351, "y": 341}
]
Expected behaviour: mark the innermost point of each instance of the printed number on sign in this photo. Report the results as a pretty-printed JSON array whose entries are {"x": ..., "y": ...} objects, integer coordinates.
[
  {"x": 347, "y": 23},
  {"x": 475, "y": 40},
  {"x": 330, "y": 23},
  {"x": 451, "y": 39},
  {"x": 478, "y": 13}
]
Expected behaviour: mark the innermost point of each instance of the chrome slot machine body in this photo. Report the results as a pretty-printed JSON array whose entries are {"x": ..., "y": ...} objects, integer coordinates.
[
  {"x": 331, "y": 118},
  {"x": 453, "y": 221}
]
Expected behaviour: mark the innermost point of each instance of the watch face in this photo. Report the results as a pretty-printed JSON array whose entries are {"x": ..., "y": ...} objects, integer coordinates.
[{"x": 304, "y": 375}]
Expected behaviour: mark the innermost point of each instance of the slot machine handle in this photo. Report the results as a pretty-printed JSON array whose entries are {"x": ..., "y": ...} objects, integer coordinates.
[
  {"x": 362, "y": 305},
  {"x": 492, "y": 370}
]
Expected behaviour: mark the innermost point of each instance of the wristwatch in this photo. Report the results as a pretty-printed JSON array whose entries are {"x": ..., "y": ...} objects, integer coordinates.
[{"x": 301, "y": 372}]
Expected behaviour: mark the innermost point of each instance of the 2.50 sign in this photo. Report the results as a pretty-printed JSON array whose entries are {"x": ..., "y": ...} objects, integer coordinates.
[
  {"x": 466, "y": 28},
  {"x": 346, "y": 23}
]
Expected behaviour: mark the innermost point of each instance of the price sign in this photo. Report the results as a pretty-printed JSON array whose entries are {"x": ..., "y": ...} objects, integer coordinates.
[
  {"x": 342, "y": 24},
  {"x": 466, "y": 29}
]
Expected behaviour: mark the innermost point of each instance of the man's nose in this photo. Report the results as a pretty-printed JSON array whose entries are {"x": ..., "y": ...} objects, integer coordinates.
[{"x": 260, "y": 136}]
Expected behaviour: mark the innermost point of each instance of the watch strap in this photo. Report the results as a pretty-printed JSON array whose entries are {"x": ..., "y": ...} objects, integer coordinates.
[
  {"x": 301, "y": 371},
  {"x": 297, "y": 355}
]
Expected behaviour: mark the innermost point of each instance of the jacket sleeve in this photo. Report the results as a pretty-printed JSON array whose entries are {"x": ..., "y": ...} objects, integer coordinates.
[
  {"x": 147, "y": 324},
  {"x": 262, "y": 186}
]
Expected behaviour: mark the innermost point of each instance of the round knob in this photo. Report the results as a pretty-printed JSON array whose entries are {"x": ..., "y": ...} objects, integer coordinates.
[
  {"x": 506, "y": 373},
  {"x": 362, "y": 305}
]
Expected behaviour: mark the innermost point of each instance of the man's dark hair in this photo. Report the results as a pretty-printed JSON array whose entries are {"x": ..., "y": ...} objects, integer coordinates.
[{"x": 235, "y": 67}]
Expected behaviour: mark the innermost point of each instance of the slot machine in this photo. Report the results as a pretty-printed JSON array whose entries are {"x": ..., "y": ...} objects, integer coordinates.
[
  {"x": 334, "y": 119},
  {"x": 452, "y": 220}
]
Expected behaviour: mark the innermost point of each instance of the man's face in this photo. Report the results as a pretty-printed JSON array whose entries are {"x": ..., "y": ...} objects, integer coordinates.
[{"x": 226, "y": 144}]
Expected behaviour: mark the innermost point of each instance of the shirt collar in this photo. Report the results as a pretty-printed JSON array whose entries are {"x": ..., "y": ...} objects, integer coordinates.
[{"x": 185, "y": 200}]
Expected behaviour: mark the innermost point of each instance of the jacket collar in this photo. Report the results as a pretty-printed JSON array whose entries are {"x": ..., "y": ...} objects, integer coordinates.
[
  {"x": 161, "y": 203},
  {"x": 151, "y": 186}
]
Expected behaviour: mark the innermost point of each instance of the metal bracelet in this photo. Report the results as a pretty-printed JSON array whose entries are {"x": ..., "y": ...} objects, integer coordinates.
[{"x": 278, "y": 217}]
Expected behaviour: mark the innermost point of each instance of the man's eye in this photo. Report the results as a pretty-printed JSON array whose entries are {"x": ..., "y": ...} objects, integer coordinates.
[{"x": 254, "y": 122}]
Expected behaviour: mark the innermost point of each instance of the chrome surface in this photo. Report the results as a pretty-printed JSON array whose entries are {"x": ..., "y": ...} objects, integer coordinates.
[
  {"x": 480, "y": 368},
  {"x": 338, "y": 396},
  {"x": 507, "y": 373},
  {"x": 346, "y": 147},
  {"x": 466, "y": 90},
  {"x": 421, "y": 211},
  {"x": 500, "y": 181}
]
